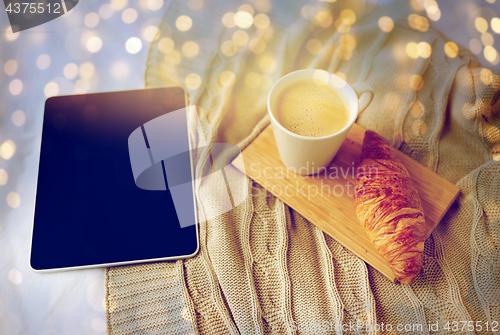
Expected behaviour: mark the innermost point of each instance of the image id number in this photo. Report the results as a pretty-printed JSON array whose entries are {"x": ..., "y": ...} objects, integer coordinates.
[
  {"x": 33, "y": 8},
  {"x": 478, "y": 326}
]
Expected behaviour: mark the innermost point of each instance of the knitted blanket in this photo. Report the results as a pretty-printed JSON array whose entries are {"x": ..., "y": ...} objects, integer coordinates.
[{"x": 262, "y": 268}]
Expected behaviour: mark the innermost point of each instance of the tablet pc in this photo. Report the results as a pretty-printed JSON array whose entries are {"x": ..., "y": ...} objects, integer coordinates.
[{"x": 89, "y": 212}]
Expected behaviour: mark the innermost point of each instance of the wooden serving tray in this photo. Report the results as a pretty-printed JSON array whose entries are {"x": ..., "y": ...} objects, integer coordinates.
[{"x": 333, "y": 209}]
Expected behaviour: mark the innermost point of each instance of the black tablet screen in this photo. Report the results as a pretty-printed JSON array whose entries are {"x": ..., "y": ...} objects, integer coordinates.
[{"x": 88, "y": 209}]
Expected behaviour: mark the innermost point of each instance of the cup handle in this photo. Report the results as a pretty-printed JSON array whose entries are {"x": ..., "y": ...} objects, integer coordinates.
[{"x": 365, "y": 95}]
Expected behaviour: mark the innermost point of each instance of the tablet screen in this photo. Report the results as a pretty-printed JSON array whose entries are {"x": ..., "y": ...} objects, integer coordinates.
[{"x": 88, "y": 209}]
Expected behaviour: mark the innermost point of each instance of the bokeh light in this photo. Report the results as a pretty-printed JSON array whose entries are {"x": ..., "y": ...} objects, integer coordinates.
[
  {"x": 305, "y": 11},
  {"x": 228, "y": 20},
  {"x": 416, "y": 82},
  {"x": 91, "y": 20},
  {"x": 320, "y": 75},
  {"x": 4, "y": 177},
  {"x": 341, "y": 26},
  {"x": 347, "y": 44},
  {"x": 118, "y": 5},
  {"x": 7, "y": 149},
  {"x": 419, "y": 127},
  {"x": 173, "y": 58},
  {"x": 18, "y": 118},
  {"x": 418, "y": 22},
  {"x": 486, "y": 76},
  {"x": 87, "y": 70},
  {"x": 267, "y": 82},
  {"x": 386, "y": 24},
  {"x": 424, "y": 49},
  {"x": 184, "y": 23},
  {"x": 186, "y": 314},
  {"x": 481, "y": 24},
  {"x": 487, "y": 39},
  {"x": 495, "y": 25},
  {"x": 150, "y": 33},
  {"x": 70, "y": 70},
  {"x": 133, "y": 45},
  {"x": 468, "y": 111},
  {"x": 85, "y": 36},
  {"x": 416, "y": 5},
  {"x": 10, "y": 67},
  {"x": 226, "y": 78},
  {"x": 243, "y": 19},
  {"x": 417, "y": 109},
  {"x": 267, "y": 63},
  {"x": 43, "y": 61},
  {"x": 323, "y": 18},
  {"x": 253, "y": 80},
  {"x": 451, "y": 49},
  {"x": 129, "y": 15},
  {"x": 112, "y": 305},
  {"x": 341, "y": 75},
  {"x": 495, "y": 152},
  {"x": 489, "y": 132},
  {"x": 15, "y": 276},
  {"x": 348, "y": 17},
  {"x": 155, "y": 4},
  {"x": 246, "y": 8},
  {"x": 261, "y": 21},
  {"x": 120, "y": 70},
  {"x": 475, "y": 46},
  {"x": 257, "y": 45},
  {"x": 166, "y": 45},
  {"x": 314, "y": 46},
  {"x": 490, "y": 54},
  {"x": 434, "y": 13},
  {"x": 192, "y": 81},
  {"x": 9, "y": 35},
  {"x": 65, "y": 86},
  {"x": 143, "y": 5},
  {"x": 94, "y": 44},
  {"x": 51, "y": 89},
  {"x": 228, "y": 48},
  {"x": 190, "y": 49},
  {"x": 106, "y": 11},
  {"x": 82, "y": 86},
  {"x": 16, "y": 87},
  {"x": 263, "y": 6},
  {"x": 240, "y": 38},
  {"x": 412, "y": 50}
]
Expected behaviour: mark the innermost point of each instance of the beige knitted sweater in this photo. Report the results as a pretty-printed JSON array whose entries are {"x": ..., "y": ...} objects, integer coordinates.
[{"x": 262, "y": 268}]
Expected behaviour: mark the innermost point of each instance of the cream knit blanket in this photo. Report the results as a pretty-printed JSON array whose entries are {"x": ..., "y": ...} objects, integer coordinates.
[{"x": 262, "y": 268}]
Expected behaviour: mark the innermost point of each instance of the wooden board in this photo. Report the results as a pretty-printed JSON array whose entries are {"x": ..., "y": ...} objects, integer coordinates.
[{"x": 327, "y": 201}]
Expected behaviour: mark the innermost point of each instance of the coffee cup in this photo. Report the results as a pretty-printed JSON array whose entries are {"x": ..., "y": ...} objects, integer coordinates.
[{"x": 308, "y": 155}]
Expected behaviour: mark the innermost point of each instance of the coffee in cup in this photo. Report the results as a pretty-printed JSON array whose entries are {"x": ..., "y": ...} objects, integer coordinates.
[
  {"x": 310, "y": 107},
  {"x": 311, "y": 112}
]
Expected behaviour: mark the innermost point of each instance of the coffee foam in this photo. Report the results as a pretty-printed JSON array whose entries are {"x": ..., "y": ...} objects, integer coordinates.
[{"x": 311, "y": 108}]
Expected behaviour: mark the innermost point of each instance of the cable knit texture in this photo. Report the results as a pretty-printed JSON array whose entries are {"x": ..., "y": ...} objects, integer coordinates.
[{"x": 263, "y": 268}]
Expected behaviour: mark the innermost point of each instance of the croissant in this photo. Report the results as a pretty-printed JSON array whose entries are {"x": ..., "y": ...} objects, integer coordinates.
[{"x": 388, "y": 205}]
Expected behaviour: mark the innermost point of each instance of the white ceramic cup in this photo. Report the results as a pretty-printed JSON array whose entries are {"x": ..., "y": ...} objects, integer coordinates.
[{"x": 309, "y": 155}]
